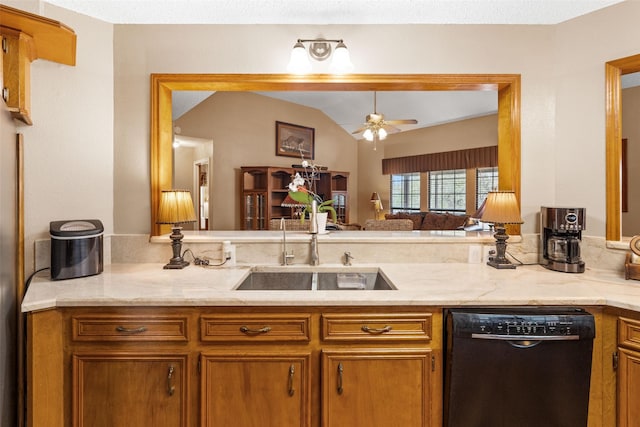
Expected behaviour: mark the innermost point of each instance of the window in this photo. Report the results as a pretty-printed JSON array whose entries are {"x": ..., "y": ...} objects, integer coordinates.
[
  {"x": 405, "y": 192},
  {"x": 447, "y": 190},
  {"x": 486, "y": 180}
]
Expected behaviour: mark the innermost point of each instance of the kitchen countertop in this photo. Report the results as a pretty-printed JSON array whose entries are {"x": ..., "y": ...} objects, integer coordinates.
[{"x": 436, "y": 284}]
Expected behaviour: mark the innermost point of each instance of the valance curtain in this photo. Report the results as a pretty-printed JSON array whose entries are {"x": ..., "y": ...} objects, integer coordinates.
[{"x": 482, "y": 157}]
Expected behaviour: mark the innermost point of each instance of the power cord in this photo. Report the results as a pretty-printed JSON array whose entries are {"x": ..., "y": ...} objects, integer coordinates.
[
  {"x": 518, "y": 261},
  {"x": 203, "y": 262}
]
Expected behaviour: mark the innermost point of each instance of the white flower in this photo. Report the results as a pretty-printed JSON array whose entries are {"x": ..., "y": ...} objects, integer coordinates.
[
  {"x": 298, "y": 181},
  {"x": 305, "y": 164}
]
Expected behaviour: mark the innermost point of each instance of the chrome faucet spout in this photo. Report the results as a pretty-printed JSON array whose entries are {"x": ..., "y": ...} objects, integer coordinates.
[
  {"x": 285, "y": 256},
  {"x": 314, "y": 257}
]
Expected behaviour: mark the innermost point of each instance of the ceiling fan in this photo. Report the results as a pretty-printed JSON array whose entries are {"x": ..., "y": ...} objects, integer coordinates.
[{"x": 376, "y": 128}]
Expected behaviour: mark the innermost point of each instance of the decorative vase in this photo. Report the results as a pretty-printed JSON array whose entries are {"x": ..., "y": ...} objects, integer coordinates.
[{"x": 321, "y": 219}]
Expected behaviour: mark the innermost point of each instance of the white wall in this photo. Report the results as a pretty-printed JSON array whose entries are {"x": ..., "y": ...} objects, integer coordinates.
[{"x": 69, "y": 149}]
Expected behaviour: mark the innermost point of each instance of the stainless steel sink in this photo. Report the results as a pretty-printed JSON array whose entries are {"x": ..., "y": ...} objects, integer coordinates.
[{"x": 322, "y": 280}]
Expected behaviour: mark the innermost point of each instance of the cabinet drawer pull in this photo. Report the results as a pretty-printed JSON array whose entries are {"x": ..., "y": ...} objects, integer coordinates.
[
  {"x": 340, "y": 369},
  {"x": 376, "y": 331},
  {"x": 249, "y": 331},
  {"x": 170, "y": 387},
  {"x": 292, "y": 371},
  {"x": 139, "y": 330}
]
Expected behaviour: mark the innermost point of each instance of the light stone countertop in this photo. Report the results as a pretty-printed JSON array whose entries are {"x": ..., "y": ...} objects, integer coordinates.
[{"x": 436, "y": 284}]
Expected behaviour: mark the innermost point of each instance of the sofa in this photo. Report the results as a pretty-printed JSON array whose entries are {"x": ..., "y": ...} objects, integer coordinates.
[{"x": 432, "y": 220}]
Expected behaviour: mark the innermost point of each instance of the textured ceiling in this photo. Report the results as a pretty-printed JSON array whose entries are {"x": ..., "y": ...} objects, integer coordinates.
[{"x": 334, "y": 11}]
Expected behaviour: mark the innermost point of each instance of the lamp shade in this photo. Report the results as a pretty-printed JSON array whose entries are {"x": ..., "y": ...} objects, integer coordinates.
[
  {"x": 176, "y": 207},
  {"x": 341, "y": 61},
  {"x": 501, "y": 207},
  {"x": 375, "y": 197},
  {"x": 299, "y": 61}
]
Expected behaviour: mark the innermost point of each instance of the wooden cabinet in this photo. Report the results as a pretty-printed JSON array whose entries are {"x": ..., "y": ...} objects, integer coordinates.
[
  {"x": 265, "y": 188},
  {"x": 380, "y": 369},
  {"x": 239, "y": 366},
  {"x": 628, "y": 372},
  {"x": 376, "y": 388},
  {"x": 256, "y": 388},
  {"x": 135, "y": 389},
  {"x": 25, "y": 38}
]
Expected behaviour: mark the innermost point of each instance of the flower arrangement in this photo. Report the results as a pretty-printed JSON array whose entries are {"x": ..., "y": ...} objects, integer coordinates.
[{"x": 301, "y": 189}]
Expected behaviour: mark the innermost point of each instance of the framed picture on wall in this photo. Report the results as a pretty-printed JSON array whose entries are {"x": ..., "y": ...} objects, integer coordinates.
[{"x": 294, "y": 140}]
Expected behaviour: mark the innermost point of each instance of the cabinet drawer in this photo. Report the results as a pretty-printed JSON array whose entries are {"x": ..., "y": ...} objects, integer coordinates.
[
  {"x": 129, "y": 328},
  {"x": 629, "y": 333},
  {"x": 359, "y": 327},
  {"x": 255, "y": 327}
]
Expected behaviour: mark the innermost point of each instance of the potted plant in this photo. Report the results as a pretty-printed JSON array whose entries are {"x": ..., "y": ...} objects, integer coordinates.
[{"x": 300, "y": 190}]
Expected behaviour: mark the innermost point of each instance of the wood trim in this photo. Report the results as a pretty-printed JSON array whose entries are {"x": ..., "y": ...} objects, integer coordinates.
[
  {"x": 19, "y": 274},
  {"x": 613, "y": 131},
  {"x": 162, "y": 85},
  {"x": 53, "y": 40},
  {"x": 625, "y": 177}
]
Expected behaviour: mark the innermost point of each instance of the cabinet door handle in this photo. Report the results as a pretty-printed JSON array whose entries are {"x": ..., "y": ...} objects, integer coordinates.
[
  {"x": 139, "y": 330},
  {"x": 249, "y": 331},
  {"x": 340, "y": 369},
  {"x": 376, "y": 331},
  {"x": 170, "y": 387},
  {"x": 292, "y": 371}
]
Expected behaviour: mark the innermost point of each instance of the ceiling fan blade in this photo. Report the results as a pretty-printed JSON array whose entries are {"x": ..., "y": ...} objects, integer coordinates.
[
  {"x": 360, "y": 130},
  {"x": 402, "y": 122},
  {"x": 390, "y": 129}
]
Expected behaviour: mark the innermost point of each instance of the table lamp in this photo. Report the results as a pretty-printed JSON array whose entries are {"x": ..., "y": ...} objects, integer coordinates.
[
  {"x": 500, "y": 208},
  {"x": 377, "y": 204},
  {"x": 176, "y": 208}
]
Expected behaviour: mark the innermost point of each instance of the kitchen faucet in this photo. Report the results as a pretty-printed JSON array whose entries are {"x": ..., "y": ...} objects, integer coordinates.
[
  {"x": 285, "y": 256},
  {"x": 314, "y": 258}
]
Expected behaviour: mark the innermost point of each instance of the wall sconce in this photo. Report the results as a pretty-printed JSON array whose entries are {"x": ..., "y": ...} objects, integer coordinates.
[
  {"x": 319, "y": 49},
  {"x": 500, "y": 208},
  {"x": 176, "y": 208},
  {"x": 377, "y": 204}
]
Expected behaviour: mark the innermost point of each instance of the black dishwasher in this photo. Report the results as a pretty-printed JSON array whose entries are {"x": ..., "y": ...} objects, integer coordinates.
[{"x": 518, "y": 367}]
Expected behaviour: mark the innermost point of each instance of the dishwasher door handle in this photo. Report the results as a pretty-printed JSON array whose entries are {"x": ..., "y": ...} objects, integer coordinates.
[{"x": 526, "y": 337}]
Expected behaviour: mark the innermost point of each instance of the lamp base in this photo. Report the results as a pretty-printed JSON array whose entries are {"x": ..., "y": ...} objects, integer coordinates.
[
  {"x": 177, "y": 262},
  {"x": 501, "y": 265},
  {"x": 500, "y": 261},
  {"x": 176, "y": 265}
]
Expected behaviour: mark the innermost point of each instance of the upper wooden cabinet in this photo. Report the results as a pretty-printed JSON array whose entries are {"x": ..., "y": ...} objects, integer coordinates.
[{"x": 25, "y": 38}]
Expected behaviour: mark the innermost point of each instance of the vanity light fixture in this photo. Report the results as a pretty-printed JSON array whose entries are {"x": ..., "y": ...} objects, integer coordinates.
[
  {"x": 176, "y": 208},
  {"x": 500, "y": 208},
  {"x": 319, "y": 50}
]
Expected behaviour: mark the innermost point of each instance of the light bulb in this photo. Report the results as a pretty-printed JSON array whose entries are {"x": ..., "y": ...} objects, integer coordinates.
[
  {"x": 341, "y": 60},
  {"x": 382, "y": 134},
  {"x": 299, "y": 61},
  {"x": 368, "y": 135}
]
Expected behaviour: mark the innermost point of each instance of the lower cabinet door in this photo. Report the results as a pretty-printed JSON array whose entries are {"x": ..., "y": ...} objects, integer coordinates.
[
  {"x": 628, "y": 388},
  {"x": 376, "y": 388},
  {"x": 130, "y": 390},
  {"x": 257, "y": 389}
]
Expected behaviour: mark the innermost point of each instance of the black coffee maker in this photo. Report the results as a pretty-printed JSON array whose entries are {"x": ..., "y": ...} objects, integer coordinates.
[{"x": 560, "y": 237}]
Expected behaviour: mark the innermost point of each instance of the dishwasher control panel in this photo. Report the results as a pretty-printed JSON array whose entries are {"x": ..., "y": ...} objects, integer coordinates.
[{"x": 524, "y": 324}]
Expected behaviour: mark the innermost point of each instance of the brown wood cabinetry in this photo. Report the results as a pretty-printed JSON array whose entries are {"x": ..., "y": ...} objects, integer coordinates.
[
  {"x": 264, "y": 188},
  {"x": 25, "y": 38},
  {"x": 628, "y": 372},
  {"x": 240, "y": 366}
]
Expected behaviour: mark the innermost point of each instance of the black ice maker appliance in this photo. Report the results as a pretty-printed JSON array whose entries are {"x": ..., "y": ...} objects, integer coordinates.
[{"x": 76, "y": 248}]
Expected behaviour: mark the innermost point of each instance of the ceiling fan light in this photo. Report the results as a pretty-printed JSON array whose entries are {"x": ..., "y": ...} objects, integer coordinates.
[
  {"x": 299, "y": 62},
  {"x": 382, "y": 134},
  {"x": 341, "y": 60},
  {"x": 368, "y": 135}
]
